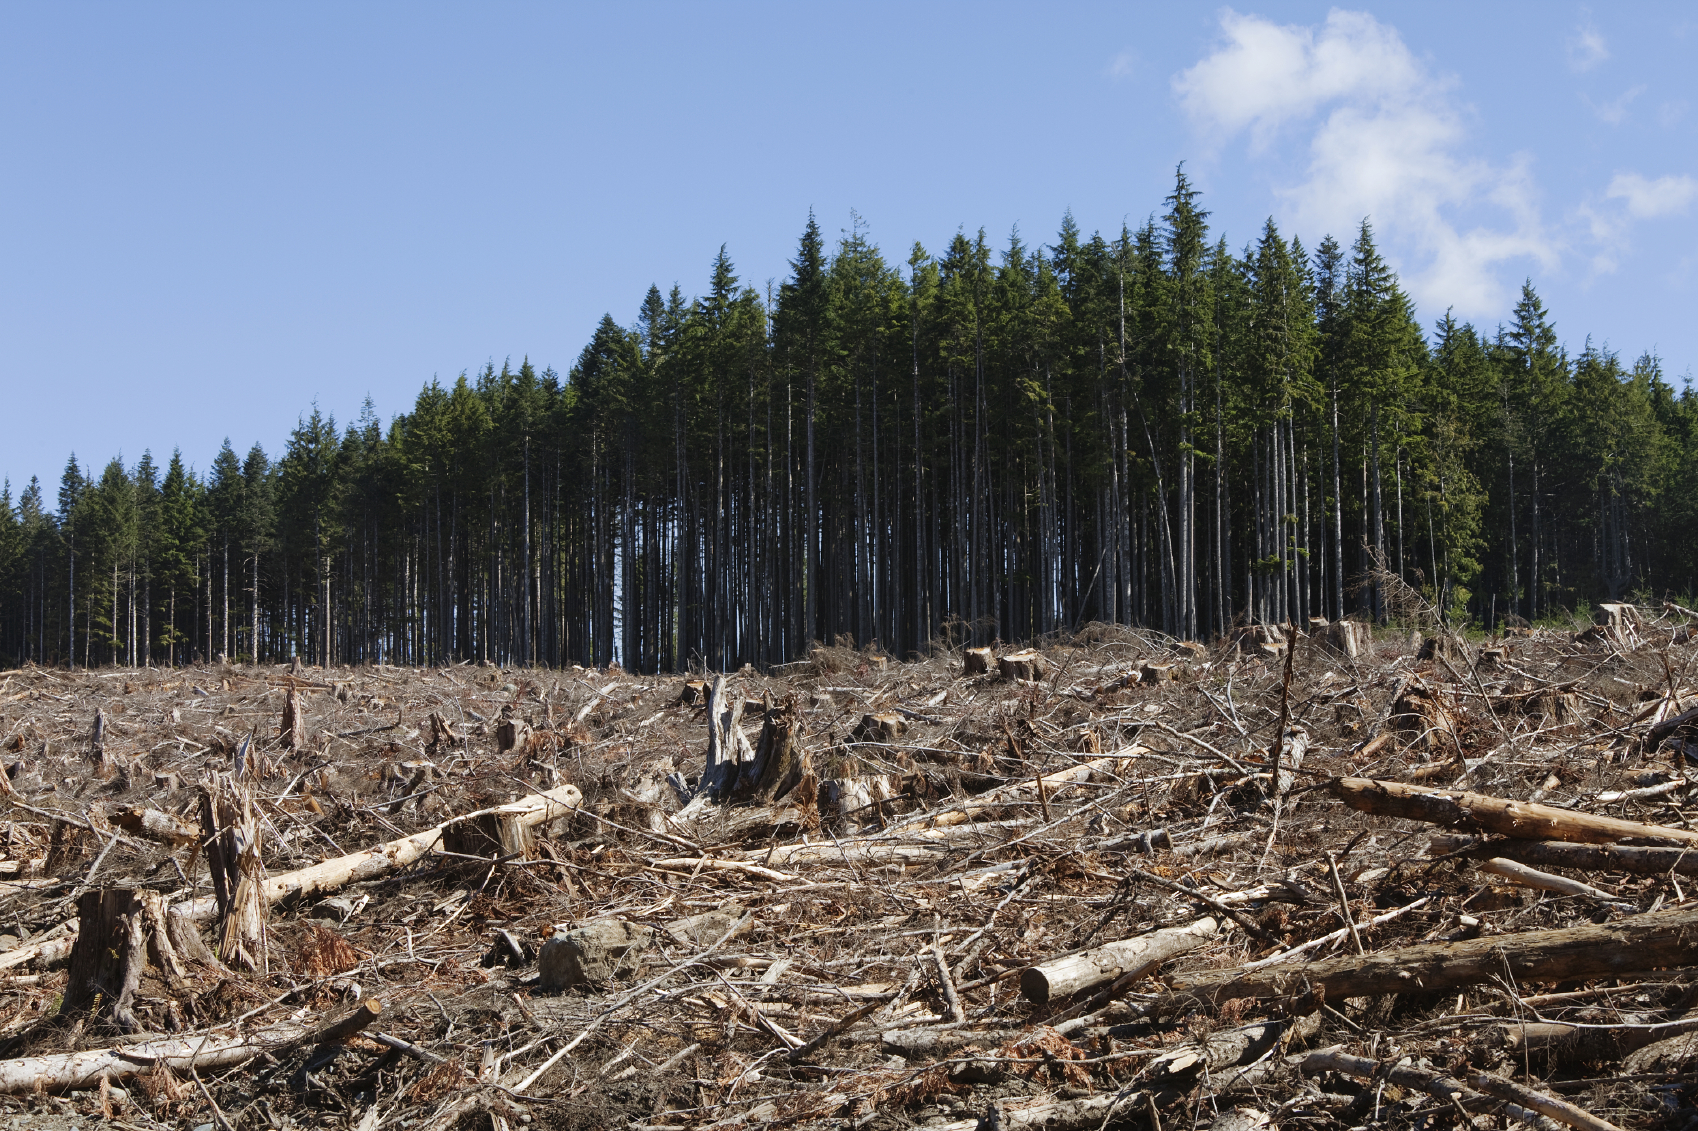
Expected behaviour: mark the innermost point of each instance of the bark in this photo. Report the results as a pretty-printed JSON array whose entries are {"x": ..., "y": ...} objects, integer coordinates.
[
  {"x": 108, "y": 958},
  {"x": 1592, "y": 951},
  {"x": 1060, "y": 977},
  {"x": 1479, "y": 813},
  {"x": 780, "y": 761}
]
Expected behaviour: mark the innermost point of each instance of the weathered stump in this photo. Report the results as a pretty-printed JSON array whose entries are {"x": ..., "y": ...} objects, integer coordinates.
[
  {"x": 293, "y": 731},
  {"x": 107, "y": 959},
  {"x": 976, "y": 661}
]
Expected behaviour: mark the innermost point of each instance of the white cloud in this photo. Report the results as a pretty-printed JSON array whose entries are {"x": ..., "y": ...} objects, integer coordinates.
[
  {"x": 1123, "y": 66},
  {"x": 1388, "y": 144},
  {"x": 1647, "y": 198},
  {"x": 1615, "y": 110},
  {"x": 1587, "y": 49}
]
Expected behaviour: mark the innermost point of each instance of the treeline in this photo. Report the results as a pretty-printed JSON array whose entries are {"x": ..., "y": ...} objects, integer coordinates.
[{"x": 1146, "y": 429}]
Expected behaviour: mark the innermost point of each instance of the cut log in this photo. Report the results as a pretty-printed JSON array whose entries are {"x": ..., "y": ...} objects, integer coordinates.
[
  {"x": 1643, "y": 942},
  {"x": 976, "y": 661},
  {"x": 318, "y": 879},
  {"x": 108, "y": 958},
  {"x": 1135, "y": 957},
  {"x": 1027, "y": 665},
  {"x": 232, "y": 849},
  {"x": 1477, "y": 812},
  {"x": 1436, "y": 1084},
  {"x": 155, "y": 824}
]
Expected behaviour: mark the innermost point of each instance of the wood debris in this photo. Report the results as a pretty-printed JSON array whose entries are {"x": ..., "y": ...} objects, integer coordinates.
[{"x": 1336, "y": 877}]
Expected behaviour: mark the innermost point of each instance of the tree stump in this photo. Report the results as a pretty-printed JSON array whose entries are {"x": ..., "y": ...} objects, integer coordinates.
[
  {"x": 1156, "y": 673},
  {"x": 1426, "y": 721},
  {"x": 238, "y": 875},
  {"x": 1346, "y": 638},
  {"x": 1444, "y": 647},
  {"x": 510, "y": 734},
  {"x": 879, "y": 728},
  {"x": 780, "y": 762},
  {"x": 1028, "y": 665},
  {"x": 293, "y": 731},
  {"x": 693, "y": 693},
  {"x": 976, "y": 661},
  {"x": 107, "y": 959}
]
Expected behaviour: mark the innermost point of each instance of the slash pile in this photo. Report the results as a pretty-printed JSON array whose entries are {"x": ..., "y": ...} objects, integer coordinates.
[{"x": 1333, "y": 878}]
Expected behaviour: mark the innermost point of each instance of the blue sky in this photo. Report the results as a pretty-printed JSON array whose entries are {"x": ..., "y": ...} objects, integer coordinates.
[{"x": 216, "y": 215}]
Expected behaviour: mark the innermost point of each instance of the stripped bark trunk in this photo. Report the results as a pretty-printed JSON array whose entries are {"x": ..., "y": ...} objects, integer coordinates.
[
  {"x": 232, "y": 849},
  {"x": 1060, "y": 977},
  {"x": 1522, "y": 820}
]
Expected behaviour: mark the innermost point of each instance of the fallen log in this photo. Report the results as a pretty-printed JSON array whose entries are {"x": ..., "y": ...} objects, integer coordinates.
[
  {"x": 1643, "y": 942},
  {"x": 68, "y": 1071},
  {"x": 1060, "y": 977},
  {"x": 317, "y": 879},
  {"x": 1524, "y": 820},
  {"x": 1580, "y": 857},
  {"x": 1560, "y": 1110},
  {"x": 1024, "y": 791},
  {"x": 1435, "y": 1084},
  {"x": 1543, "y": 881}
]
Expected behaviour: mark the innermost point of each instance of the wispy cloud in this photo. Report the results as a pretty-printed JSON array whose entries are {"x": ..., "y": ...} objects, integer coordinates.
[
  {"x": 1123, "y": 66},
  {"x": 1647, "y": 198},
  {"x": 1386, "y": 141},
  {"x": 1629, "y": 197},
  {"x": 1615, "y": 110},
  {"x": 1670, "y": 113},
  {"x": 1586, "y": 48}
]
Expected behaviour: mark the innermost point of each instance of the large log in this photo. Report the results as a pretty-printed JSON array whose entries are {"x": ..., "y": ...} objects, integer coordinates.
[
  {"x": 317, "y": 879},
  {"x": 1642, "y": 942},
  {"x": 181, "y": 1054},
  {"x": 1068, "y": 975},
  {"x": 1580, "y": 857},
  {"x": 1477, "y": 812}
]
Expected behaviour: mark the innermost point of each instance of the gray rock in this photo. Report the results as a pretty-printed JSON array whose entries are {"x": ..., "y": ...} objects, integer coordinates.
[{"x": 592, "y": 953}]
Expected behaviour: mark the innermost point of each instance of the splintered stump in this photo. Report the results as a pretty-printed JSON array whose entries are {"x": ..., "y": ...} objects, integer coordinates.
[
  {"x": 504, "y": 832},
  {"x": 238, "y": 875},
  {"x": 780, "y": 762},
  {"x": 976, "y": 661},
  {"x": 1028, "y": 665},
  {"x": 107, "y": 959},
  {"x": 293, "y": 731},
  {"x": 510, "y": 734}
]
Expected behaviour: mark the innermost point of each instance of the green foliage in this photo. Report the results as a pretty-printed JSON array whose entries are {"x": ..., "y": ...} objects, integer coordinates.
[{"x": 1143, "y": 428}]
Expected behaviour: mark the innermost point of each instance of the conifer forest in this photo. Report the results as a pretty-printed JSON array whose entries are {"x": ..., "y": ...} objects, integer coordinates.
[{"x": 1149, "y": 428}]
